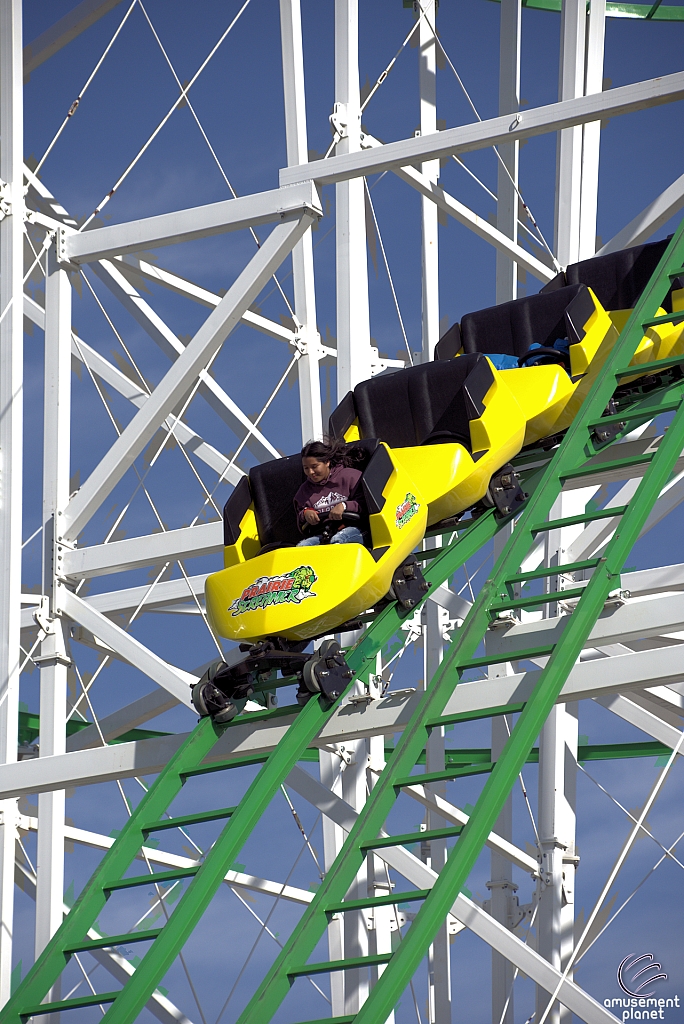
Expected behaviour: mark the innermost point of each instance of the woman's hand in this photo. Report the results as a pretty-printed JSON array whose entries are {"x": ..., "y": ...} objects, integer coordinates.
[
  {"x": 336, "y": 512},
  {"x": 311, "y": 516}
]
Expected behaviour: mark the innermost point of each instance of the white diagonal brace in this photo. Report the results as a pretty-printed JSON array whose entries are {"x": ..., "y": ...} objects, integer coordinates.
[
  {"x": 150, "y": 321},
  {"x": 141, "y": 270},
  {"x": 196, "y": 222},
  {"x": 458, "y": 817},
  {"x": 466, "y": 912},
  {"x": 333, "y": 806},
  {"x": 478, "y": 225},
  {"x": 137, "y": 552},
  {"x": 456, "y": 605},
  {"x": 165, "y": 593},
  {"x": 481, "y": 134},
  {"x": 530, "y": 962},
  {"x": 649, "y": 220},
  {"x": 642, "y": 718},
  {"x": 240, "y": 879},
  {"x": 113, "y": 376},
  {"x": 175, "y": 680},
  {"x": 119, "y": 722},
  {"x": 182, "y": 374}
]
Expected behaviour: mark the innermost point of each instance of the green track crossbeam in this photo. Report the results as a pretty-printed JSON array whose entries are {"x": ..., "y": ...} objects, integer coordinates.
[{"x": 568, "y": 462}]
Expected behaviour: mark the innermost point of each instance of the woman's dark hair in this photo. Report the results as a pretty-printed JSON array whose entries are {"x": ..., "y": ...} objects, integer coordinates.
[{"x": 333, "y": 450}]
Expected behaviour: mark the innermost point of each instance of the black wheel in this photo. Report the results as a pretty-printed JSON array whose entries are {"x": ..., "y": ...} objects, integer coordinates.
[
  {"x": 209, "y": 700},
  {"x": 309, "y": 676}
]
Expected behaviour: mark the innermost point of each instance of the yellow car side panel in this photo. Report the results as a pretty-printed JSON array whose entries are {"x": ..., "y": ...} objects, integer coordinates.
[
  {"x": 596, "y": 328},
  {"x": 448, "y": 477},
  {"x": 248, "y": 542},
  {"x": 352, "y": 433},
  {"x": 542, "y": 391},
  {"x": 299, "y": 593}
]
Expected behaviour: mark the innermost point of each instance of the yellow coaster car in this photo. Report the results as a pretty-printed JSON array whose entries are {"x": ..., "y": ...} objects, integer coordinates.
[
  {"x": 270, "y": 587},
  {"x": 436, "y": 439}
]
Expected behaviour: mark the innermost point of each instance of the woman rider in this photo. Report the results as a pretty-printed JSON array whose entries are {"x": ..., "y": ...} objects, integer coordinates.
[{"x": 332, "y": 487}]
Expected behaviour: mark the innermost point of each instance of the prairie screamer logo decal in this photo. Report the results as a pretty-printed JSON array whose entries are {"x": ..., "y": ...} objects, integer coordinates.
[
  {"x": 291, "y": 588},
  {"x": 406, "y": 510}
]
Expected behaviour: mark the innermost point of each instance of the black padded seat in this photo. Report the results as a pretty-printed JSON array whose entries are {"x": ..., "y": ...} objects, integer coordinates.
[
  {"x": 273, "y": 486},
  {"x": 512, "y": 327},
  {"x": 384, "y": 410},
  {"x": 619, "y": 278},
  {"x": 445, "y": 396},
  {"x": 423, "y": 404}
]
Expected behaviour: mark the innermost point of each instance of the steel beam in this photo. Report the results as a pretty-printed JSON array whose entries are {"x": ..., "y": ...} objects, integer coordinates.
[
  {"x": 569, "y": 140},
  {"x": 589, "y": 679},
  {"x": 11, "y": 444},
  {"x": 537, "y": 121},
  {"x": 173, "y": 679},
  {"x": 507, "y": 166},
  {"x": 186, "y": 225},
  {"x": 427, "y": 87},
  {"x": 138, "y": 552},
  {"x": 651, "y": 218},
  {"x": 119, "y": 722},
  {"x": 643, "y": 719},
  {"x": 353, "y": 323},
  {"x": 591, "y": 132},
  {"x": 182, "y": 374},
  {"x": 478, "y": 225},
  {"x": 141, "y": 270},
  {"x": 164, "y": 594},
  {"x": 309, "y": 341},
  {"x": 53, "y": 650},
  {"x": 110, "y": 274}
]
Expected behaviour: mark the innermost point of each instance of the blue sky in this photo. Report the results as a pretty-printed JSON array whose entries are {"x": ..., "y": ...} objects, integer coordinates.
[{"x": 238, "y": 100}]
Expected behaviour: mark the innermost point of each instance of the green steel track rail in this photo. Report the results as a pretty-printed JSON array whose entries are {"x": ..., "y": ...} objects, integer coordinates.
[
  {"x": 544, "y": 481},
  {"x": 569, "y": 461},
  {"x": 165, "y": 943}
]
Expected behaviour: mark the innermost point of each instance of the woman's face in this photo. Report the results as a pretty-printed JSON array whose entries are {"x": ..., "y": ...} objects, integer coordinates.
[{"x": 315, "y": 470}]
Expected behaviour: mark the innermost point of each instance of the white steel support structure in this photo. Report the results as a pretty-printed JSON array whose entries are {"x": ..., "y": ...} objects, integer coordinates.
[
  {"x": 53, "y": 658},
  {"x": 353, "y": 319},
  {"x": 435, "y": 851},
  {"x": 641, "y": 687},
  {"x": 11, "y": 427},
  {"x": 555, "y": 916},
  {"x": 428, "y": 125},
  {"x": 507, "y": 207},
  {"x": 591, "y": 137},
  {"x": 302, "y": 255},
  {"x": 569, "y": 151},
  {"x": 500, "y": 885}
]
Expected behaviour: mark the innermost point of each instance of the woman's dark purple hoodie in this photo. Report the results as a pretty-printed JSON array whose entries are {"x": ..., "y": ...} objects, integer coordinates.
[{"x": 342, "y": 484}]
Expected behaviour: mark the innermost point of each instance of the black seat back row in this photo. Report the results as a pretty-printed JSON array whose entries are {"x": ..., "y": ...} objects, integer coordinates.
[
  {"x": 427, "y": 404},
  {"x": 617, "y": 279}
]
